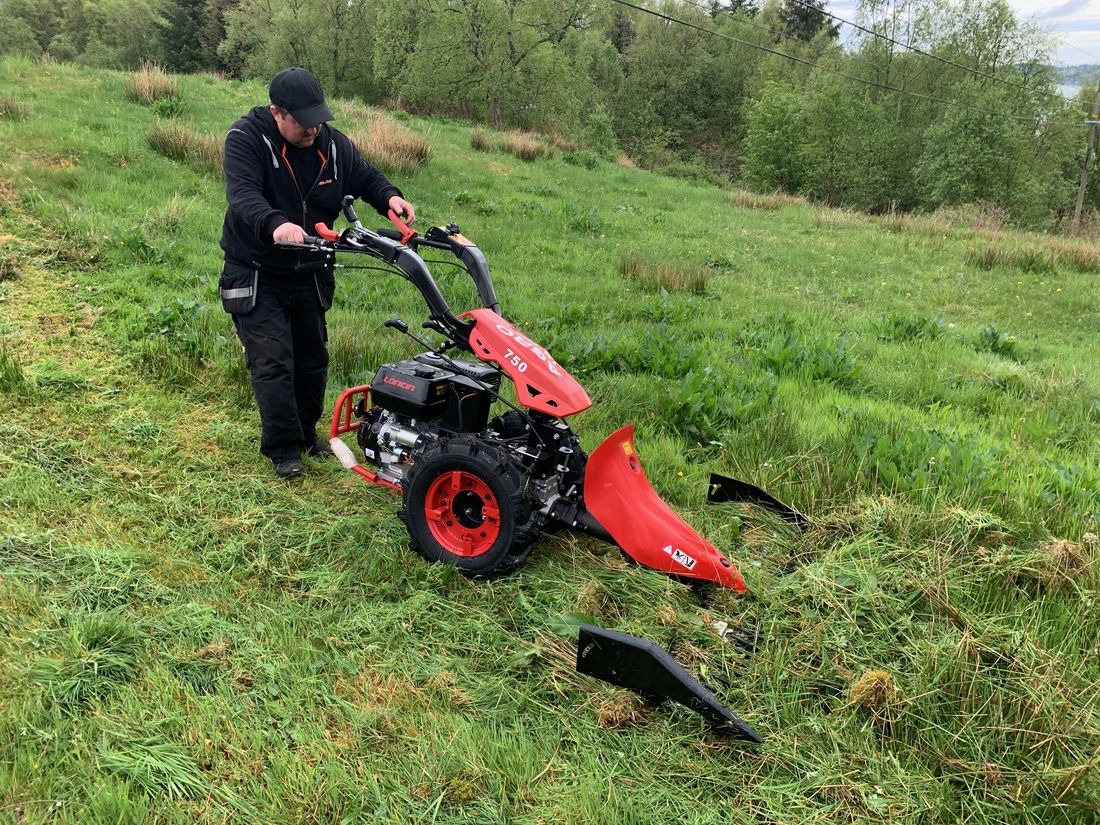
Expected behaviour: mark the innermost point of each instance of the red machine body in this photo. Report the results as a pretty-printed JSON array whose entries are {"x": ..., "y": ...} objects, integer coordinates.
[{"x": 476, "y": 491}]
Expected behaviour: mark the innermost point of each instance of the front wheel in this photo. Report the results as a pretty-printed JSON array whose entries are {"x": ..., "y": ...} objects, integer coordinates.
[{"x": 464, "y": 504}]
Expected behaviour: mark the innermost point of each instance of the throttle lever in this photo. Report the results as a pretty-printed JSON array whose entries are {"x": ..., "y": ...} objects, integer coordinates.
[{"x": 348, "y": 209}]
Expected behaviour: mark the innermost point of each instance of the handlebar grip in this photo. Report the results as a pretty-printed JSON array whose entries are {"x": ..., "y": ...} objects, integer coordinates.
[
  {"x": 349, "y": 210},
  {"x": 392, "y": 234},
  {"x": 309, "y": 242},
  {"x": 406, "y": 233}
]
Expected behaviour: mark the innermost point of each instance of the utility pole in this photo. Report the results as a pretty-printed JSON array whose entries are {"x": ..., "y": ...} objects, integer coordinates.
[{"x": 1076, "y": 224}]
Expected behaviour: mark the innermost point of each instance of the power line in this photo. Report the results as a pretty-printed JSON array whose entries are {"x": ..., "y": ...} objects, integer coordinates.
[
  {"x": 916, "y": 50},
  {"x": 1083, "y": 51},
  {"x": 781, "y": 33},
  {"x": 814, "y": 65}
]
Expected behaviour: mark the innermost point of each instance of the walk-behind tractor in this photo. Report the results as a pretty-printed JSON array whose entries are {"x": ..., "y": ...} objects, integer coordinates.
[{"x": 479, "y": 476}]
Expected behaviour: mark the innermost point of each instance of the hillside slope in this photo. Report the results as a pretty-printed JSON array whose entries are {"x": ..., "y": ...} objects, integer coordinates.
[{"x": 186, "y": 639}]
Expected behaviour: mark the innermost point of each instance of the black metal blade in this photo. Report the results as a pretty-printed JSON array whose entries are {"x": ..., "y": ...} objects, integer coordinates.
[
  {"x": 723, "y": 489},
  {"x": 645, "y": 668}
]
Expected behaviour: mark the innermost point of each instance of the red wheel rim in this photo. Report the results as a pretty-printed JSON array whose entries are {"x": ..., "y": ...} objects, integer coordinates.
[{"x": 462, "y": 513}]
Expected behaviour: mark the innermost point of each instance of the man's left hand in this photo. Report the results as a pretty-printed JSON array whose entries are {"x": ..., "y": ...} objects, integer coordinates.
[{"x": 403, "y": 208}]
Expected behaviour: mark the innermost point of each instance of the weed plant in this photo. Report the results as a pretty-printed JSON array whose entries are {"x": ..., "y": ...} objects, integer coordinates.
[{"x": 187, "y": 639}]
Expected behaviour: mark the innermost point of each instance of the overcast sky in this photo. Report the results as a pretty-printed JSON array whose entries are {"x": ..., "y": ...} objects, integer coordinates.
[{"x": 1075, "y": 22}]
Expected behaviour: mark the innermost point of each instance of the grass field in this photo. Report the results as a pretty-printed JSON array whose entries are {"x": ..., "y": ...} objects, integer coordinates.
[{"x": 186, "y": 639}]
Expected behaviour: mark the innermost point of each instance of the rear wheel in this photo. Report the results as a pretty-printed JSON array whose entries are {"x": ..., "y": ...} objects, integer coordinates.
[{"x": 464, "y": 504}]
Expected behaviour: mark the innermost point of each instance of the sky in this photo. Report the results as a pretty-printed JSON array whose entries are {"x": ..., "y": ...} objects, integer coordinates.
[{"x": 1075, "y": 22}]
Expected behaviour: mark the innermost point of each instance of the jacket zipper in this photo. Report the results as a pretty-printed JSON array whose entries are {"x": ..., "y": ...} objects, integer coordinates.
[{"x": 294, "y": 177}]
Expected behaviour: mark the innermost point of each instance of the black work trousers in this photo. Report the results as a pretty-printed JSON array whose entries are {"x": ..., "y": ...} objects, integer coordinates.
[{"x": 285, "y": 345}]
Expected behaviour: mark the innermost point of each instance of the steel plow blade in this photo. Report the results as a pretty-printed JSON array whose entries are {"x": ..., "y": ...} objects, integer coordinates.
[{"x": 618, "y": 494}]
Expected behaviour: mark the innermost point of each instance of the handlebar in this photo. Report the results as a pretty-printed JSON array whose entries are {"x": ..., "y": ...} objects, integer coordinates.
[{"x": 399, "y": 250}]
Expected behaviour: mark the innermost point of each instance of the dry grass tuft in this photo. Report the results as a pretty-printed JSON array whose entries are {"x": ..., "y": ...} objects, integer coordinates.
[
  {"x": 178, "y": 141},
  {"x": 915, "y": 224},
  {"x": 150, "y": 82},
  {"x": 744, "y": 199},
  {"x": 592, "y": 598},
  {"x": 839, "y": 217},
  {"x": 625, "y": 162},
  {"x": 563, "y": 143},
  {"x": 1029, "y": 258},
  {"x": 1061, "y": 563},
  {"x": 622, "y": 710},
  {"x": 874, "y": 690},
  {"x": 1077, "y": 254},
  {"x": 669, "y": 277},
  {"x": 985, "y": 216},
  {"x": 386, "y": 143},
  {"x": 525, "y": 145},
  {"x": 12, "y": 109},
  {"x": 480, "y": 141}
]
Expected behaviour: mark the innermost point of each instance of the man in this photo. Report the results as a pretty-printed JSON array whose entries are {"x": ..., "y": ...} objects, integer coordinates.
[{"x": 285, "y": 170}]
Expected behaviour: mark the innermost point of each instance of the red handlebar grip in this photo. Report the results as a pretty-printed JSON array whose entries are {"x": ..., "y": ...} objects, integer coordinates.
[
  {"x": 407, "y": 234},
  {"x": 325, "y": 232}
]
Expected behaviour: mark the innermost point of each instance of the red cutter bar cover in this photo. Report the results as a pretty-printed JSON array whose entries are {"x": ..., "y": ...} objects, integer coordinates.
[
  {"x": 541, "y": 383},
  {"x": 618, "y": 494}
]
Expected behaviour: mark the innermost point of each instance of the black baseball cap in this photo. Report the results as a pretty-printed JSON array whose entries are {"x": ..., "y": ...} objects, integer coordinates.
[{"x": 299, "y": 92}]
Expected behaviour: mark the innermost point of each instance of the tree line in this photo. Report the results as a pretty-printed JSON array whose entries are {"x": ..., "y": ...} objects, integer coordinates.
[{"x": 767, "y": 95}]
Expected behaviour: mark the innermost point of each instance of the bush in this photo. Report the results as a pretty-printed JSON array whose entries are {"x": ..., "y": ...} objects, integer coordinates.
[
  {"x": 151, "y": 83},
  {"x": 599, "y": 134},
  {"x": 774, "y": 140},
  {"x": 585, "y": 160}
]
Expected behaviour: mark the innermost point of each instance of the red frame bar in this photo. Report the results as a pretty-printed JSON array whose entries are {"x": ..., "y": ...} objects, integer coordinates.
[{"x": 342, "y": 423}]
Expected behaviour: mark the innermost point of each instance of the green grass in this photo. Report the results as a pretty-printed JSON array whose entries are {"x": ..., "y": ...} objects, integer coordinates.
[{"x": 185, "y": 639}]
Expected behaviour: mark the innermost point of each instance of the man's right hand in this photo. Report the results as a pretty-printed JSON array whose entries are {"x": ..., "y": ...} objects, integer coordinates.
[{"x": 289, "y": 233}]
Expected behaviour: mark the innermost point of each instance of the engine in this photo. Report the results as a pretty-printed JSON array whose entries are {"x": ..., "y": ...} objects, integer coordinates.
[{"x": 418, "y": 400}]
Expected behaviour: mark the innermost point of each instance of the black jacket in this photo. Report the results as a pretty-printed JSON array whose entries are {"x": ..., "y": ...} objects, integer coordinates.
[{"x": 263, "y": 193}]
